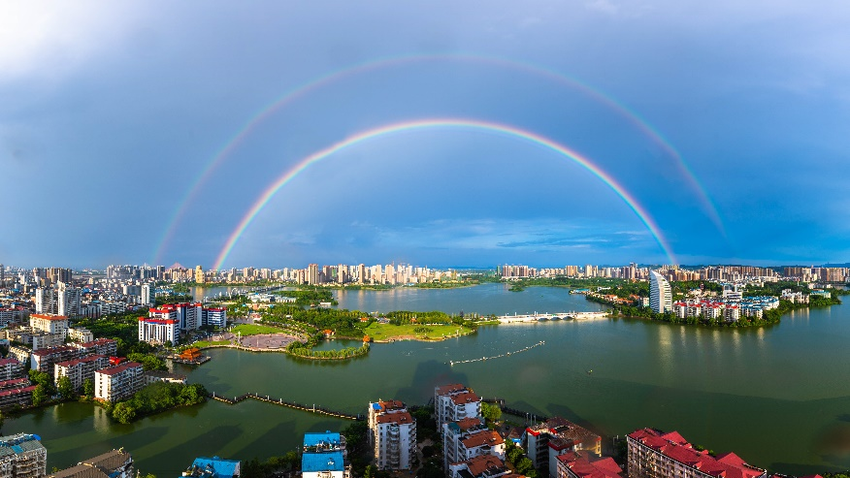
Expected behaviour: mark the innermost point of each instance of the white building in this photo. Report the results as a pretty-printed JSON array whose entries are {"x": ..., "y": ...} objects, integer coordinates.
[
  {"x": 158, "y": 331},
  {"x": 660, "y": 294},
  {"x": 78, "y": 370},
  {"x": 69, "y": 300},
  {"x": 455, "y": 402},
  {"x": 118, "y": 382},
  {"x": 50, "y": 323},
  {"x": 392, "y": 431}
]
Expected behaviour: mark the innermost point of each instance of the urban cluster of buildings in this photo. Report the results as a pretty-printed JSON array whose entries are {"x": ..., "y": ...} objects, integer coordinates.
[{"x": 167, "y": 322}]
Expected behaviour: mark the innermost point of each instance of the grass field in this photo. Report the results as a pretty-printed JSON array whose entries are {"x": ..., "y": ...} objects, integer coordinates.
[
  {"x": 252, "y": 329},
  {"x": 207, "y": 343},
  {"x": 379, "y": 332}
]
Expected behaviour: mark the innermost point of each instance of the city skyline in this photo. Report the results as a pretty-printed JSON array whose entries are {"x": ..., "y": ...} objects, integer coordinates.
[{"x": 448, "y": 135}]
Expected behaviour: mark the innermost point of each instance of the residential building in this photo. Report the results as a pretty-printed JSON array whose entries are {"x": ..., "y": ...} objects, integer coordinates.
[
  {"x": 578, "y": 464},
  {"x": 453, "y": 434},
  {"x": 214, "y": 467},
  {"x": 44, "y": 359},
  {"x": 50, "y": 323},
  {"x": 17, "y": 391},
  {"x": 118, "y": 382},
  {"x": 323, "y": 456},
  {"x": 455, "y": 402},
  {"x": 159, "y": 331},
  {"x": 556, "y": 436},
  {"x": 148, "y": 294},
  {"x": 22, "y": 354},
  {"x": 80, "y": 334},
  {"x": 484, "y": 442},
  {"x": 484, "y": 466},
  {"x": 68, "y": 300},
  {"x": 660, "y": 294},
  {"x": 112, "y": 464},
  {"x": 79, "y": 370},
  {"x": 215, "y": 316},
  {"x": 655, "y": 454},
  {"x": 392, "y": 431},
  {"x": 108, "y": 347},
  {"x": 10, "y": 368},
  {"x": 45, "y": 300},
  {"x": 22, "y": 456}
]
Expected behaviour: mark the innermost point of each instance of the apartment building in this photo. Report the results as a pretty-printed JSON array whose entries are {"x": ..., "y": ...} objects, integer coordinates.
[
  {"x": 118, "y": 382},
  {"x": 159, "y": 331},
  {"x": 393, "y": 434},
  {"x": 655, "y": 454},
  {"x": 50, "y": 323},
  {"x": 112, "y": 464},
  {"x": 44, "y": 359},
  {"x": 17, "y": 391},
  {"x": 453, "y": 433},
  {"x": 557, "y": 436},
  {"x": 323, "y": 456},
  {"x": 22, "y": 456},
  {"x": 10, "y": 368},
  {"x": 78, "y": 370},
  {"x": 455, "y": 402},
  {"x": 579, "y": 464},
  {"x": 80, "y": 334},
  {"x": 107, "y": 347},
  {"x": 484, "y": 466}
]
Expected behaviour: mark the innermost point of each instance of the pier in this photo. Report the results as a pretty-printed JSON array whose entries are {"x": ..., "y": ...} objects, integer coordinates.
[
  {"x": 283, "y": 403},
  {"x": 541, "y": 317}
]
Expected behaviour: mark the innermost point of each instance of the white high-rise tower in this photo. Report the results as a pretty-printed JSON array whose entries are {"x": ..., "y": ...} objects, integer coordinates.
[{"x": 660, "y": 295}]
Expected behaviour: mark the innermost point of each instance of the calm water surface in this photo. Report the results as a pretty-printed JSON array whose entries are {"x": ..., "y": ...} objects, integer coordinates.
[{"x": 777, "y": 396}]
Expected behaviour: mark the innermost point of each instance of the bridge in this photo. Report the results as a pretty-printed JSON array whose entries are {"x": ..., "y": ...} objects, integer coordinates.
[{"x": 539, "y": 317}]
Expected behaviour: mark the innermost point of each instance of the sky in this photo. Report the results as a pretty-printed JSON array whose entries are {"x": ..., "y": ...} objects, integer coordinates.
[{"x": 698, "y": 132}]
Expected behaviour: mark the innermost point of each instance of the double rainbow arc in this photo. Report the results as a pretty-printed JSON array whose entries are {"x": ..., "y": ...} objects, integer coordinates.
[
  {"x": 314, "y": 84},
  {"x": 442, "y": 123}
]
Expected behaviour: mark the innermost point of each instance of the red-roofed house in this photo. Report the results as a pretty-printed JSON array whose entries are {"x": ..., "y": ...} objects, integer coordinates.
[
  {"x": 556, "y": 436},
  {"x": 119, "y": 382},
  {"x": 653, "y": 454}
]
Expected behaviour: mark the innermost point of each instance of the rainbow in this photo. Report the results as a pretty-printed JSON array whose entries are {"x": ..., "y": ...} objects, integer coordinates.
[
  {"x": 511, "y": 131},
  {"x": 304, "y": 89}
]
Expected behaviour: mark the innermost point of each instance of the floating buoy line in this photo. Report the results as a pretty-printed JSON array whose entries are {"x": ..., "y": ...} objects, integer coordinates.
[{"x": 506, "y": 354}]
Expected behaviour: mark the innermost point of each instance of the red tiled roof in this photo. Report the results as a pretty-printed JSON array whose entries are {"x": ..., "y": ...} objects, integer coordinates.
[
  {"x": 467, "y": 423},
  {"x": 482, "y": 463},
  {"x": 399, "y": 418},
  {"x": 119, "y": 368},
  {"x": 486, "y": 437},
  {"x": 13, "y": 382},
  {"x": 455, "y": 387},
  {"x": 467, "y": 397},
  {"x": 71, "y": 363},
  {"x": 17, "y": 391},
  {"x": 585, "y": 467},
  {"x": 49, "y": 317},
  {"x": 9, "y": 360}
]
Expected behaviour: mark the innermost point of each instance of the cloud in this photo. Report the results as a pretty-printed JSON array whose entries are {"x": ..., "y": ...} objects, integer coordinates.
[
  {"x": 46, "y": 38},
  {"x": 604, "y": 6}
]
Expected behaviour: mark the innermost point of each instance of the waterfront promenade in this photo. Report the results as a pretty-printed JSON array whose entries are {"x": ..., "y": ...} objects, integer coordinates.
[{"x": 539, "y": 317}]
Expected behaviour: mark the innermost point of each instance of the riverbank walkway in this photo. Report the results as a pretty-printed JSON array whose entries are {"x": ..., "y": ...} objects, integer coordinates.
[
  {"x": 540, "y": 317},
  {"x": 283, "y": 403}
]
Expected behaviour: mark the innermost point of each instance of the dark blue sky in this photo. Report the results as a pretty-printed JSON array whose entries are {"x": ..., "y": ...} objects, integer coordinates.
[{"x": 110, "y": 113}]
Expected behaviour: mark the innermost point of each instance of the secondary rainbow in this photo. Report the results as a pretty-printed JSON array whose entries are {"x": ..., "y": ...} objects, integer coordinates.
[
  {"x": 445, "y": 123},
  {"x": 314, "y": 84}
]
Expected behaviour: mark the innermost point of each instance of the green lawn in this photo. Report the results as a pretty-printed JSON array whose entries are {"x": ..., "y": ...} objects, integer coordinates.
[
  {"x": 252, "y": 329},
  {"x": 386, "y": 331},
  {"x": 207, "y": 343}
]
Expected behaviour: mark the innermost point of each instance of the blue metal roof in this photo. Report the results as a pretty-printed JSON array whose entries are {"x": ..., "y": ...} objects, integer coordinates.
[
  {"x": 222, "y": 468},
  {"x": 330, "y": 461},
  {"x": 314, "y": 439},
  {"x": 376, "y": 406}
]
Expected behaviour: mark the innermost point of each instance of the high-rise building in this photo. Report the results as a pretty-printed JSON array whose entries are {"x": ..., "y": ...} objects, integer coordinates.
[
  {"x": 69, "y": 300},
  {"x": 455, "y": 402},
  {"x": 199, "y": 274},
  {"x": 313, "y": 274},
  {"x": 148, "y": 294},
  {"x": 392, "y": 431},
  {"x": 660, "y": 294},
  {"x": 45, "y": 300}
]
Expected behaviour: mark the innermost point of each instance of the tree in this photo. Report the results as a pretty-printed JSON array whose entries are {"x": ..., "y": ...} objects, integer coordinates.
[
  {"x": 65, "y": 388},
  {"x": 491, "y": 413},
  {"x": 88, "y": 388},
  {"x": 40, "y": 395},
  {"x": 524, "y": 465},
  {"x": 124, "y": 413}
]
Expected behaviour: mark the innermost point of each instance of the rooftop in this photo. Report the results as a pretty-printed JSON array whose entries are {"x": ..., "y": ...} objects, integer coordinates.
[
  {"x": 585, "y": 466},
  {"x": 214, "y": 467},
  {"x": 398, "y": 418},
  {"x": 119, "y": 368},
  {"x": 466, "y": 397},
  {"x": 485, "y": 437},
  {"x": 322, "y": 439},
  {"x": 453, "y": 388},
  {"x": 330, "y": 461}
]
